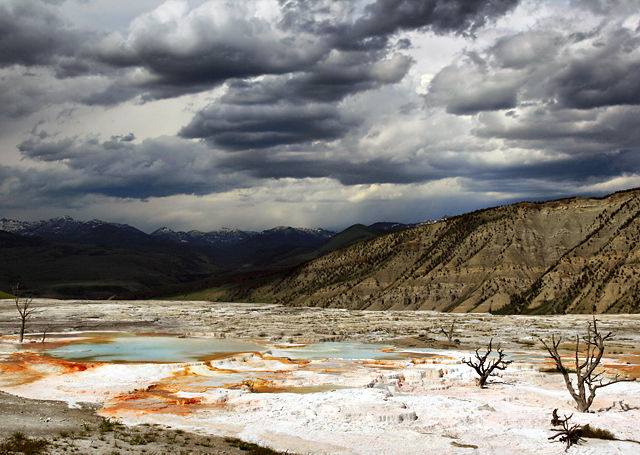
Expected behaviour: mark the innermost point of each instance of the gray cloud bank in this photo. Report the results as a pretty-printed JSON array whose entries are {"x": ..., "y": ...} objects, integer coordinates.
[
  {"x": 185, "y": 51},
  {"x": 321, "y": 89}
]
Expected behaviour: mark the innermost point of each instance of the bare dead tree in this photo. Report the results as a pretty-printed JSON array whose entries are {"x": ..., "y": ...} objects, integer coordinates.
[
  {"x": 449, "y": 334},
  {"x": 587, "y": 380},
  {"x": 23, "y": 305},
  {"x": 484, "y": 366},
  {"x": 45, "y": 330},
  {"x": 570, "y": 435}
]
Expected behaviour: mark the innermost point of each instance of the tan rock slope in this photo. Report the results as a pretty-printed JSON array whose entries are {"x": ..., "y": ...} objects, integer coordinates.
[{"x": 567, "y": 256}]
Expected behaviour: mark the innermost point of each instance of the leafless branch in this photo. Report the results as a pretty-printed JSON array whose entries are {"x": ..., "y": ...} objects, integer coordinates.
[
  {"x": 587, "y": 379},
  {"x": 485, "y": 367},
  {"x": 449, "y": 334},
  {"x": 23, "y": 305},
  {"x": 570, "y": 435}
]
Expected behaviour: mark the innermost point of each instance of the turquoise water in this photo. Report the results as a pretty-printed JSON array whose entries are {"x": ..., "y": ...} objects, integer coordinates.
[
  {"x": 337, "y": 350},
  {"x": 118, "y": 348},
  {"x": 151, "y": 349}
]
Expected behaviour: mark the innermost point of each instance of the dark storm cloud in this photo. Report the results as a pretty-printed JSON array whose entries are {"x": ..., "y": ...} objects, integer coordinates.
[
  {"x": 48, "y": 151},
  {"x": 573, "y": 99},
  {"x": 583, "y": 71},
  {"x": 24, "y": 91},
  {"x": 609, "y": 75},
  {"x": 237, "y": 49},
  {"x": 348, "y": 172},
  {"x": 119, "y": 92},
  {"x": 31, "y": 34},
  {"x": 568, "y": 130},
  {"x": 575, "y": 169},
  {"x": 566, "y": 101},
  {"x": 342, "y": 74},
  {"x": 41, "y": 57},
  {"x": 120, "y": 167},
  {"x": 171, "y": 52},
  {"x": 166, "y": 166},
  {"x": 199, "y": 51},
  {"x": 262, "y": 126},
  {"x": 383, "y": 18},
  {"x": 570, "y": 169},
  {"x": 561, "y": 177}
]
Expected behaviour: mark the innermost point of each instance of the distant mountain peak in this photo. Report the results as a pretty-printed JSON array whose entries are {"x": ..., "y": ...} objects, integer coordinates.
[
  {"x": 162, "y": 230},
  {"x": 63, "y": 218},
  {"x": 67, "y": 229}
]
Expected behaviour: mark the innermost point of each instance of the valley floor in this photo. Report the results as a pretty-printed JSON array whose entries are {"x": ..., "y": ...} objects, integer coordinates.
[{"x": 320, "y": 381}]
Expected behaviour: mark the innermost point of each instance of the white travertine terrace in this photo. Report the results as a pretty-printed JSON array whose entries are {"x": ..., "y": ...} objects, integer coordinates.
[{"x": 332, "y": 398}]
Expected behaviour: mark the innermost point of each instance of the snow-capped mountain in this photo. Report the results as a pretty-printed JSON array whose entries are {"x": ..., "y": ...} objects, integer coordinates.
[
  {"x": 68, "y": 230},
  {"x": 228, "y": 246},
  {"x": 65, "y": 257},
  {"x": 223, "y": 236},
  {"x": 226, "y": 237}
]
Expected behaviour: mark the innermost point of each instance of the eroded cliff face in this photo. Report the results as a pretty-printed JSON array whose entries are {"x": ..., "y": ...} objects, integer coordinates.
[{"x": 572, "y": 255}]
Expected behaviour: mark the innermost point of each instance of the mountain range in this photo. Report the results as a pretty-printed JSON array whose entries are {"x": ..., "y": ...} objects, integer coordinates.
[
  {"x": 64, "y": 257},
  {"x": 574, "y": 255},
  {"x": 578, "y": 255}
]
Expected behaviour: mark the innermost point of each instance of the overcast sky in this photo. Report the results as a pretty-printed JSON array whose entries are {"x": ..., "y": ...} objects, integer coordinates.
[{"x": 251, "y": 114}]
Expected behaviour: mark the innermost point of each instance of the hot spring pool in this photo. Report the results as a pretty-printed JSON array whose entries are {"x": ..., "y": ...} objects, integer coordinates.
[
  {"x": 166, "y": 349},
  {"x": 337, "y": 350},
  {"x": 152, "y": 349}
]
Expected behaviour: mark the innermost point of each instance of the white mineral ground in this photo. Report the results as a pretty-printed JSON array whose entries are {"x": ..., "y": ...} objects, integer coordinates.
[{"x": 416, "y": 397}]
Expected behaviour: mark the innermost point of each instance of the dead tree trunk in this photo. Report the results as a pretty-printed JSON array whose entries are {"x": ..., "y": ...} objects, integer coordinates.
[
  {"x": 485, "y": 367},
  {"x": 23, "y": 305},
  {"x": 587, "y": 380},
  {"x": 449, "y": 334},
  {"x": 45, "y": 330}
]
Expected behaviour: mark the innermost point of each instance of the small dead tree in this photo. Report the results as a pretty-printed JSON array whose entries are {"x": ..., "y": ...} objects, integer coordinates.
[
  {"x": 449, "y": 334},
  {"x": 484, "y": 366},
  {"x": 570, "y": 435},
  {"x": 45, "y": 330},
  {"x": 587, "y": 380},
  {"x": 23, "y": 305}
]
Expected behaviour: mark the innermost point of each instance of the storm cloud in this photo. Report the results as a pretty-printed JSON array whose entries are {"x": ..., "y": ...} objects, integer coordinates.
[
  {"x": 347, "y": 104},
  {"x": 32, "y": 35},
  {"x": 248, "y": 127},
  {"x": 184, "y": 50},
  {"x": 572, "y": 98},
  {"x": 583, "y": 71},
  {"x": 120, "y": 167},
  {"x": 340, "y": 75},
  {"x": 384, "y": 18}
]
